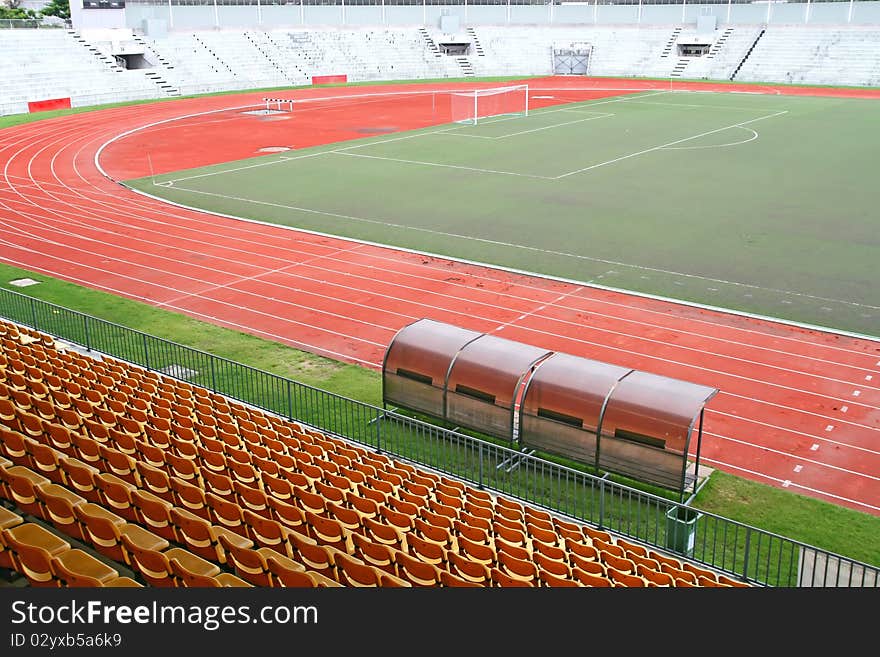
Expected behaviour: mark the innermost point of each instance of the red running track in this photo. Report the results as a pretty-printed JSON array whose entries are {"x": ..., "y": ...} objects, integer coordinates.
[{"x": 798, "y": 408}]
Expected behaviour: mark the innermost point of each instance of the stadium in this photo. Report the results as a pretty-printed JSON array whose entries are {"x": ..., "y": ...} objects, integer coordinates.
[{"x": 458, "y": 294}]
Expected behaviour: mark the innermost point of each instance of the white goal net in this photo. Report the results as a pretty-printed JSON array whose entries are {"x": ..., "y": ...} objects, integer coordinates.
[{"x": 480, "y": 104}]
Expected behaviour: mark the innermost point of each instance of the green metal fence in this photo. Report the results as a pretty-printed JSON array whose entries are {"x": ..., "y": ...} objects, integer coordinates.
[{"x": 741, "y": 550}]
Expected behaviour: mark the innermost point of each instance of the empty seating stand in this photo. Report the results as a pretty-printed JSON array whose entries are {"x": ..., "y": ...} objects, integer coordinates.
[{"x": 264, "y": 501}]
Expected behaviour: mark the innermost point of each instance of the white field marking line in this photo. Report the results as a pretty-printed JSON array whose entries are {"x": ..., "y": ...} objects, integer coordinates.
[
  {"x": 265, "y": 272},
  {"x": 501, "y": 327},
  {"x": 814, "y": 491},
  {"x": 725, "y": 107},
  {"x": 525, "y": 132},
  {"x": 796, "y": 432},
  {"x": 732, "y": 143},
  {"x": 672, "y": 143},
  {"x": 764, "y": 448},
  {"x": 445, "y": 166},
  {"x": 237, "y": 307}
]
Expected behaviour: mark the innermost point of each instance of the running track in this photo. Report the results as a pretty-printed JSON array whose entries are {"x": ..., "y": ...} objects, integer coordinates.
[{"x": 798, "y": 408}]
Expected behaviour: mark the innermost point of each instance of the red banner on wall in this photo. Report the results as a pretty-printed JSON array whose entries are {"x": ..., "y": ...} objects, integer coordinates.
[
  {"x": 50, "y": 104},
  {"x": 328, "y": 79}
]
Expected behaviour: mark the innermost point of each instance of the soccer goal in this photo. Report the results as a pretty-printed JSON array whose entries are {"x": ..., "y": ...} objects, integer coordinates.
[{"x": 473, "y": 106}]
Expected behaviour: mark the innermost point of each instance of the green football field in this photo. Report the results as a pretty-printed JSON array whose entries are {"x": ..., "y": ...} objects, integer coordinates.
[{"x": 761, "y": 203}]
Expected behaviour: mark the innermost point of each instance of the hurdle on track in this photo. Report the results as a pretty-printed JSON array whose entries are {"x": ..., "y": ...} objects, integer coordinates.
[{"x": 279, "y": 103}]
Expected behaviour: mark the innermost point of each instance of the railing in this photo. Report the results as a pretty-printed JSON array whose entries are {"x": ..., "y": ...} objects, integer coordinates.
[
  {"x": 27, "y": 24},
  {"x": 741, "y": 550}
]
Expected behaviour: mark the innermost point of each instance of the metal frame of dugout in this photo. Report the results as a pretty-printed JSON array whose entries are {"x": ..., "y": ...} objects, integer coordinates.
[{"x": 615, "y": 419}]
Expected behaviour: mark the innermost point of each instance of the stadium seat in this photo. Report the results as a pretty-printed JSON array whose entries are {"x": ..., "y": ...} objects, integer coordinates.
[
  {"x": 22, "y": 483},
  {"x": 415, "y": 571},
  {"x": 251, "y": 563},
  {"x": 547, "y": 578},
  {"x": 478, "y": 552},
  {"x": 380, "y": 532},
  {"x": 469, "y": 570},
  {"x": 191, "y": 497},
  {"x": 355, "y": 573},
  {"x": 57, "y": 503},
  {"x": 654, "y": 577},
  {"x": 283, "y": 575},
  {"x": 375, "y": 554},
  {"x": 153, "y": 566},
  {"x": 556, "y": 567},
  {"x": 502, "y": 579},
  {"x": 226, "y": 514},
  {"x": 155, "y": 481},
  {"x": 202, "y": 537},
  {"x": 594, "y": 533},
  {"x": 521, "y": 569},
  {"x": 218, "y": 484},
  {"x": 329, "y": 532},
  {"x": 115, "y": 494},
  {"x": 77, "y": 568},
  {"x": 187, "y": 576},
  {"x": 621, "y": 578},
  {"x": 32, "y": 548},
  {"x": 590, "y": 579},
  {"x": 449, "y": 580},
  {"x": 318, "y": 558}
]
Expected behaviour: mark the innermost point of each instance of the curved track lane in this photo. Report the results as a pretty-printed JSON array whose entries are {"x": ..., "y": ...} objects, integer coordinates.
[{"x": 798, "y": 408}]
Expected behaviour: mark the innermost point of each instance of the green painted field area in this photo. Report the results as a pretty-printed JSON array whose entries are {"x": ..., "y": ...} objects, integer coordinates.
[{"x": 760, "y": 203}]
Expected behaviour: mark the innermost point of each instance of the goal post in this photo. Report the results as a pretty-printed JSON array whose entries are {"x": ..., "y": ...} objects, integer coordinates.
[{"x": 471, "y": 107}]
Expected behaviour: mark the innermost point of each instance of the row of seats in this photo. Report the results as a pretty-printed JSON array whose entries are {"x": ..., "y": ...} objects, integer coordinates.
[{"x": 166, "y": 446}]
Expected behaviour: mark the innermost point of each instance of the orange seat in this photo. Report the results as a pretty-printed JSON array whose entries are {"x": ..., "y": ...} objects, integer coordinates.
[
  {"x": 469, "y": 570},
  {"x": 503, "y": 579},
  {"x": 477, "y": 552},
  {"x": 329, "y": 532},
  {"x": 284, "y": 574},
  {"x": 250, "y": 563},
  {"x": 225, "y": 514},
  {"x": 375, "y": 554},
  {"x": 548, "y": 578},
  {"x": 77, "y": 568},
  {"x": 416, "y": 571},
  {"x": 115, "y": 495},
  {"x": 154, "y": 513},
  {"x": 356, "y": 573},
  {"x": 292, "y": 517},
  {"x": 190, "y": 497},
  {"x": 591, "y": 579},
  {"x": 268, "y": 533}
]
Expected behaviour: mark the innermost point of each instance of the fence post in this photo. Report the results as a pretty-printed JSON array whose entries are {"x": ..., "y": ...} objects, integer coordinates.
[
  {"x": 87, "y": 333},
  {"x": 146, "y": 352},
  {"x": 34, "y": 314},
  {"x": 480, "y": 468},
  {"x": 377, "y": 418},
  {"x": 601, "y": 502},
  {"x": 745, "y": 572}
]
